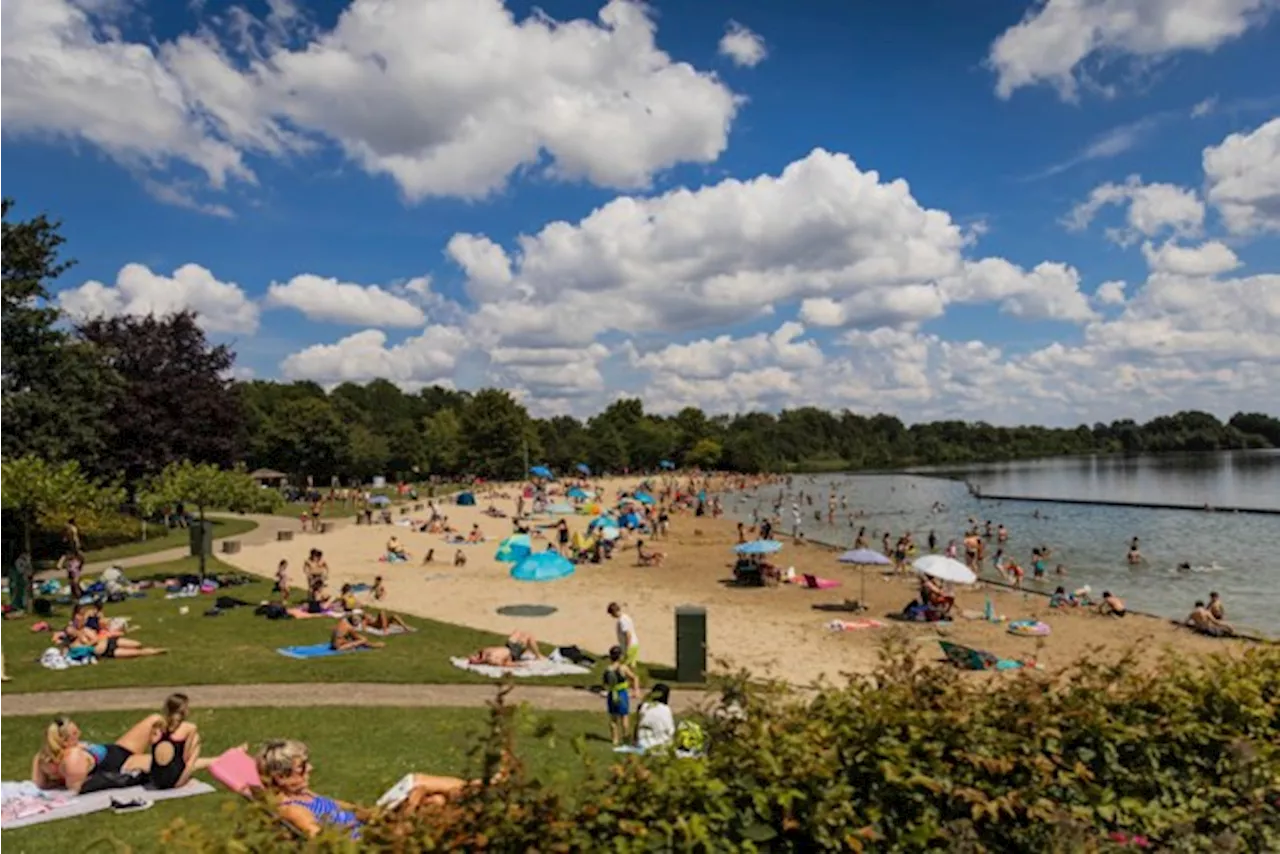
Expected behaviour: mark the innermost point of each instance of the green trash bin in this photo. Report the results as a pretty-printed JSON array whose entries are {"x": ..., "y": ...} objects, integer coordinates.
[
  {"x": 691, "y": 644},
  {"x": 201, "y": 537}
]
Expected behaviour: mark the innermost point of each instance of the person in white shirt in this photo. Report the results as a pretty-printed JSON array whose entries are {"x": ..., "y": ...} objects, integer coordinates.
[
  {"x": 657, "y": 726},
  {"x": 627, "y": 637}
]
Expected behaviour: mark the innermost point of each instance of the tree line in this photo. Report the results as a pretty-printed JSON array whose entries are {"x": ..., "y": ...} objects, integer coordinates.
[{"x": 126, "y": 396}]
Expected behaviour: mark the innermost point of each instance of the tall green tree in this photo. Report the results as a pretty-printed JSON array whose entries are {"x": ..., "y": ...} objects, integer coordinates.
[
  {"x": 176, "y": 401},
  {"x": 35, "y": 489},
  {"x": 443, "y": 442},
  {"x": 54, "y": 392},
  {"x": 305, "y": 437},
  {"x": 497, "y": 432}
]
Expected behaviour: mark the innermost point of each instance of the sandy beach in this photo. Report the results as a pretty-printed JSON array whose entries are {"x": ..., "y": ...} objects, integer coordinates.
[{"x": 773, "y": 632}]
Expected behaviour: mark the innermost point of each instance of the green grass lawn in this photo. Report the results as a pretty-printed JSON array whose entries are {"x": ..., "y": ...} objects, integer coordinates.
[
  {"x": 358, "y": 753},
  {"x": 238, "y": 647},
  {"x": 159, "y": 540}
]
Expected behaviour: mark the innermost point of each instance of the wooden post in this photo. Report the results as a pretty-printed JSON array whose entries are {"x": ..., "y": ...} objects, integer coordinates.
[
  {"x": 230, "y": 547},
  {"x": 284, "y": 536}
]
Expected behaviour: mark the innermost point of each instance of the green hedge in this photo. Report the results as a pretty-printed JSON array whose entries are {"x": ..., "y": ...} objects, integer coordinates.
[{"x": 918, "y": 758}]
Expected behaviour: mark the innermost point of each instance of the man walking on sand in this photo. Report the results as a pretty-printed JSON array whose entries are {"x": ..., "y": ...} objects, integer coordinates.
[{"x": 628, "y": 640}]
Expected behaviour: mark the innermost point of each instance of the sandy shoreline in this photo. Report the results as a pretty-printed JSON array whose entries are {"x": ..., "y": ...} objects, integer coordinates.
[{"x": 770, "y": 631}]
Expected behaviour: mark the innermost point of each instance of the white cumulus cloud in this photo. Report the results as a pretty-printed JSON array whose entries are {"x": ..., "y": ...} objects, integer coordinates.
[
  {"x": 1150, "y": 209},
  {"x": 445, "y": 97},
  {"x": 323, "y": 299},
  {"x": 1243, "y": 176},
  {"x": 1063, "y": 42},
  {"x": 742, "y": 46},
  {"x": 221, "y": 306},
  {"x": 417, "y": 361}
]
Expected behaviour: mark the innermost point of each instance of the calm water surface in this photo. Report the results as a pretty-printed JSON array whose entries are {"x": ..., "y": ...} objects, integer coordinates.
[{"x": 1232, "y": 553}]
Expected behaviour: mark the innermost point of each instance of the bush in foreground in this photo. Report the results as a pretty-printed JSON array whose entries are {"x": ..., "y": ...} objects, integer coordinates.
[{"x": 1186, "y": 757}]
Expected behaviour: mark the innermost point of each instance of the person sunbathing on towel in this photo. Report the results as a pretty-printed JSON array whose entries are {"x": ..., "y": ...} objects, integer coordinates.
[
  {"x": 476, "y": 535},
  {"x": 284, "y": 767},
  {"x": 85, "y": 642},
  {"x": 66, "y": 762},
  {"x": 345, "y": 636},
  {"x": 523, "y": 645},
  {"x": 396, "y": 549},
  {"x": 650, "y": 557},
  {"x": 380, "y": 621},
  {"x": 493, "y": 656}
]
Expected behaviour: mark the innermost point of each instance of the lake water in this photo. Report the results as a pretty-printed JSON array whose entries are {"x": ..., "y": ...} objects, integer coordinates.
[{"x": 1232, "y": 553}]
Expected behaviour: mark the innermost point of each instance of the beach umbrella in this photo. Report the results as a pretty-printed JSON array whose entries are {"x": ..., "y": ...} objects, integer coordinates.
[
  {"x": 945, "y": 569},
  {"x": 606, "y": 533},
  {"x": 561, "y": 509},
  {"x": 667, "y": 464},
  {"x": 644, "y": 498},
  {"x": 543, "y": 566},
  {"x": 542, "y": 472},
  {"x": 579, "y": 493},
  {"x": 603, "y": 522},
  {"x": 514, "y": 549},
  {"x": 865, "y": 556},
  {"x": 629, "y": 520},
  {"x": 759, "y": 547},
  {"x": 584, "y": 468},
  {"x": 380, "y": 500}
]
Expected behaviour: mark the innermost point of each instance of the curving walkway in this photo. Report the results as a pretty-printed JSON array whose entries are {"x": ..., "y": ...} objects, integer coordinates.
[{"x": 306, "y": 694}]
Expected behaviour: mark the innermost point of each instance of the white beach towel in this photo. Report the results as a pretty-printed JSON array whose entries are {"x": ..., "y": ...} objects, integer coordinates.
[
  {"x": 394, "y": 630},
  {"x": 539, "y": 667},
  {"x": 24, "y": 805}
]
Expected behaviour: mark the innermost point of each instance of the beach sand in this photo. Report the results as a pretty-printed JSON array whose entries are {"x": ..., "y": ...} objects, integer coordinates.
[{"x": 773, "y": 632}]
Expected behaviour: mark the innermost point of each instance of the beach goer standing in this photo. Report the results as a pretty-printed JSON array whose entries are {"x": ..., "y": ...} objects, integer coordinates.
[
  {"x": 625, "y": 628},
  {"x": 1216, "y": 608},
  {"x": 282, "y": 580},
  {"x": 619, "y": 680}
]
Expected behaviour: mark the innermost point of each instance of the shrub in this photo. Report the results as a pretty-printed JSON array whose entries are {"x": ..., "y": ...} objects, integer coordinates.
[{"x": 1185, "y": 756}]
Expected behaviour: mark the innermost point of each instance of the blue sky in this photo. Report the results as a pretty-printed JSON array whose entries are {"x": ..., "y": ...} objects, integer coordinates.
[{"x": 391, "y": 167}]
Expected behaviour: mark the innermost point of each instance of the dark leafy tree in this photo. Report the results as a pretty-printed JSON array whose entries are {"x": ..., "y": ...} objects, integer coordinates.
[
  {"x": 497, "y": 433},
  {"x": 176, "y": 401}
]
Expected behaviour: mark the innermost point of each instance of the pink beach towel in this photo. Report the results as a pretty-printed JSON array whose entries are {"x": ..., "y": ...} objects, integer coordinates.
[
  {"x": 813, "y": 582},
  {"x": 236, "y": 770}
]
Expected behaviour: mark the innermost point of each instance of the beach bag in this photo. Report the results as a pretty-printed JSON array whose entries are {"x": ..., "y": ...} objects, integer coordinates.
[{"x": 576, "y": 655}]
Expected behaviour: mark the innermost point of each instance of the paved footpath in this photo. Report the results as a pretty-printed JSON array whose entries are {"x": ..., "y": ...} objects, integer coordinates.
[{"x": 305, "y": 694}]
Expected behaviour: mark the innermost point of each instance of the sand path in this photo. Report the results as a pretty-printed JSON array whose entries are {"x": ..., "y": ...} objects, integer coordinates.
[{"x": 296, "y": 695}]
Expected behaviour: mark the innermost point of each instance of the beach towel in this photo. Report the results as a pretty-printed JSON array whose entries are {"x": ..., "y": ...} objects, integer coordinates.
[
  {"x": 813, "y": 582},
  {"x": 854, "y": 625},
  {"x": 24, "y": 805},
  {"x": 394, "y": 630},
  {"x": 968, "y": 658},
  {"x": 315, "y": 650},
  {"x": 538, "y": 667}
]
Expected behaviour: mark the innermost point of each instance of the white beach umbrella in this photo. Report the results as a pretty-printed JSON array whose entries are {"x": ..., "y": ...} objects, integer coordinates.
[{"x": 945, "y": 569}]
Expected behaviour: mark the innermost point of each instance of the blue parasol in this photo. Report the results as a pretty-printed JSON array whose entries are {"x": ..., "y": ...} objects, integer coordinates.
[
  {"x": 578, "y": 493},
  {"x": 543, "y": 566},
  {"x": 584, "y": 468},
  {"x": 542, "y": 472},
  {"x": 759, "y": 547},
  {"x": 643, "y": 497}
]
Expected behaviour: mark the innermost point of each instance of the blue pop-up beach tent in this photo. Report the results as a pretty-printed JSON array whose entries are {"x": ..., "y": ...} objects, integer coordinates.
[
  {"x": 514, "y": 549},
  {"x": 543, "y": 566},
  {"x": 466, "y": 499}
]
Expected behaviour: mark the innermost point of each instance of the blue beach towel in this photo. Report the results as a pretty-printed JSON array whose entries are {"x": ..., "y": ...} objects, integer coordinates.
[{"x": 315, "y": 650}]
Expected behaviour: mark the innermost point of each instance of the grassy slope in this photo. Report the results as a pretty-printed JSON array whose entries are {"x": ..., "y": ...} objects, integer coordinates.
[
  {"x": 237, "y": 647},
  {"x": 358, "y": 754}
]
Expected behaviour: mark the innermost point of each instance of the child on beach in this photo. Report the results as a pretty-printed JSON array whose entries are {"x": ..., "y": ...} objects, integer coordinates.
[
  {"x": 618, "y": 680},
  {"x": 282, "y": 580}
]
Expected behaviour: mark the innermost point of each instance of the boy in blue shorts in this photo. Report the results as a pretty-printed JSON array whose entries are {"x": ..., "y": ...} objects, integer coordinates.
[{"x": 618, "y": 680}]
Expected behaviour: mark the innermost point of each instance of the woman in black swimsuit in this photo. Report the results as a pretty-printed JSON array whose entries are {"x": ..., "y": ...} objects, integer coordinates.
[{"x": 175, "y": 745}]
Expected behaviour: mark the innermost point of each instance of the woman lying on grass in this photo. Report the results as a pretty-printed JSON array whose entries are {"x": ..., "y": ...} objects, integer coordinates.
[
  {"x": 66, "y": 762},
  {"x": 284, "y": 766},
  {"x": 85, "y": 643}
]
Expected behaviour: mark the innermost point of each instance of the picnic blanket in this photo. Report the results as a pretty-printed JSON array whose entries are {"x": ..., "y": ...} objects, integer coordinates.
[
  {"x": 538, "y": 667},
  {"x": 22, "y": 804},
  {"x": 315, "y": 650},
  {"x": 854, "y": 625}
]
